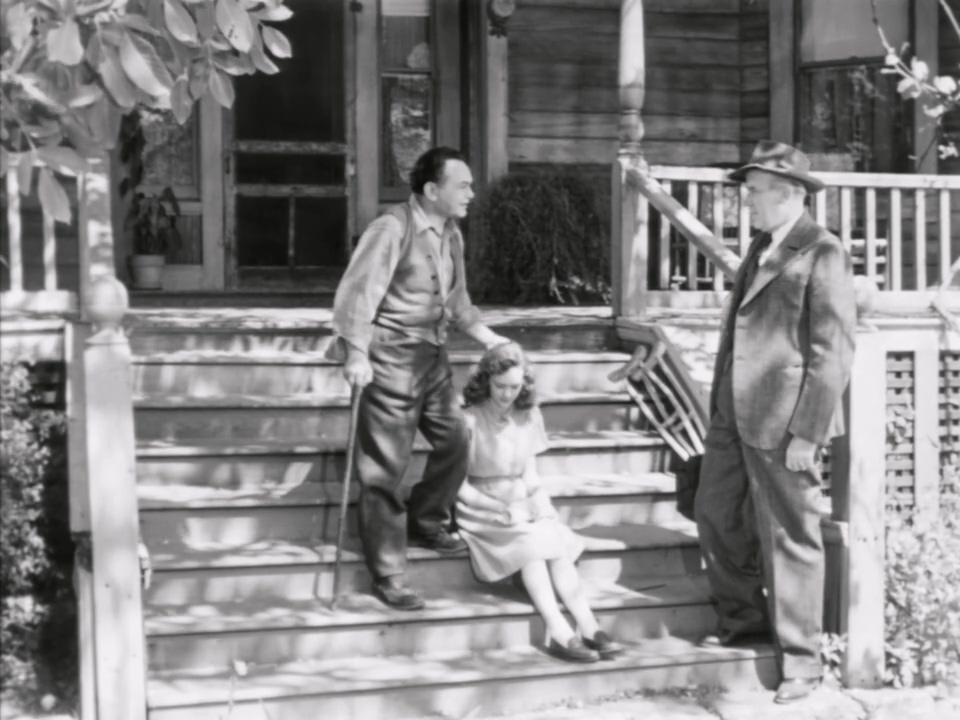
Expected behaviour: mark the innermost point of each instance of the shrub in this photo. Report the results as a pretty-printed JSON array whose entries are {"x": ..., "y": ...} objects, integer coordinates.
[
  {"x": 922, "y": 609},
  {"x": 34, "y": 540},
  {"x": 543, "y": 241}
]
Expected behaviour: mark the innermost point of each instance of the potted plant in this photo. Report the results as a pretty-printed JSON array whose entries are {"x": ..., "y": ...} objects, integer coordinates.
[
  {"x": 151, "y": 223},
  {"x": 151, "y": 219}
]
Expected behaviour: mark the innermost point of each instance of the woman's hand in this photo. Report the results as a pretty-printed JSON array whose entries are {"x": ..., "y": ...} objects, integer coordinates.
[
  {"x": 540, "y": 506},
  {"x": 517, "y": 513}
]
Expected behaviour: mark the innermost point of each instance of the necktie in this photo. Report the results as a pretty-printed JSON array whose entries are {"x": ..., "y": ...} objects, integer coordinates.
[{"x": 760, "y": 244}]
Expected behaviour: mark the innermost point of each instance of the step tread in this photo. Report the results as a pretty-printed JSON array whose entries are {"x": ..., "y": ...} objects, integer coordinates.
[
  {"x": 446, "y": 604},
  {"x": 559, "y": 440},
  {"x": 371, "y": 674},
  {"x": 320, "y": 358},
  {"x": 274, "y": 553},
  {"x": 177, "y": 497},
  {"x": 145, "y": 401}
]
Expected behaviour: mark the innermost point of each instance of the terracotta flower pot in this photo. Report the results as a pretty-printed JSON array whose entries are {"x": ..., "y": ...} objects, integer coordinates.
[{"x": 147, "y": 271}]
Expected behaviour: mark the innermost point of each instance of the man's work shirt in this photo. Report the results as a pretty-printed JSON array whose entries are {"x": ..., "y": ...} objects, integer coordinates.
[{"x": 406, "y": 276}]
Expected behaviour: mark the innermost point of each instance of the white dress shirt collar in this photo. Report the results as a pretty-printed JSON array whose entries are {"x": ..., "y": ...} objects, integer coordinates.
[{"x": 779, "y": 234}]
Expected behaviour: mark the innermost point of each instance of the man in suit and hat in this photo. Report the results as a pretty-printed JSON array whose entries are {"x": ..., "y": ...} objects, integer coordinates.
[{"x": 784, "y": 359}]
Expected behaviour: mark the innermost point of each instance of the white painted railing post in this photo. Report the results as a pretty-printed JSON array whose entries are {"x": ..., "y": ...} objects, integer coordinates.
[
  {"x": 108, "y": 467},
  {"x": 103, "y": 492},
  {"x": 859, "y": 500},
  {"x": 95, "y": 226},
  {"x": 631, "y": 211}
]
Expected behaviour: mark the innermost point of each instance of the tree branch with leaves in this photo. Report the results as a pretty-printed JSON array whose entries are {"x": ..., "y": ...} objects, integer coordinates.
[
  {"x": 940, "y": 94},
  {"x": 71, "y": 69}
]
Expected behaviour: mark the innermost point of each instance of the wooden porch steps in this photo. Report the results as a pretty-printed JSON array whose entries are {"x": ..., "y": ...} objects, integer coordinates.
[
  {"x": 241, "y": 428},
  {"x": 265, "y": 631},
  {"x": 444, "y": 685}
]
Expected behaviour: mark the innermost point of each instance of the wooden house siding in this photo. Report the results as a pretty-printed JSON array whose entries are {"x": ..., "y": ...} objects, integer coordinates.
[
  {"x": 754, "y": 75},
  {"x": 563, "y": 100}
]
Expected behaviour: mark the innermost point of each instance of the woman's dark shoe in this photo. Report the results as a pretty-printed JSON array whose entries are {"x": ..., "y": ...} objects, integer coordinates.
[
  {"x": 441, "y": 542},
  {"x": 605, "y": 645},
  {"x": 393, "y": 592},
  {"x": 573, "y": 651}
]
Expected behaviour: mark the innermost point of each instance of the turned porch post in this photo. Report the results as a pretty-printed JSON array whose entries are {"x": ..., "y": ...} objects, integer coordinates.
[
  {"x": 630, "y": 209},
  {"x": 103, "y": 490},
  {"x": 95, "y": 225}
]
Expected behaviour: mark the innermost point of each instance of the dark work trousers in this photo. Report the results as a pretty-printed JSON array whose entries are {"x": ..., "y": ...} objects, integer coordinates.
[
  {"x": 748, "y": 498},
  {"x": 412, "y": 388}
]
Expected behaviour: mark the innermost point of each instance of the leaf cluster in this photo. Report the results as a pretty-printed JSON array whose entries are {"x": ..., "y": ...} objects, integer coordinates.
[
  {"x": 922, "y": 606},
  {"x": 543, "y": 241},
  {"x": 940, "y": 95},
  {"x": 27, "y": 560},
  {"x": 70, "y": 69}
]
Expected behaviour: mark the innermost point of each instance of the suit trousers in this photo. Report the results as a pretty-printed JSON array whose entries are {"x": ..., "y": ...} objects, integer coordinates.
[
  {"x": 412, "y": 389},
  {"x": 748, "y": 501}
]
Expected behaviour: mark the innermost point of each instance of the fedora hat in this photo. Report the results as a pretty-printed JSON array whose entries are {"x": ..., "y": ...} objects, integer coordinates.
[{"x": 780, "y": 159}]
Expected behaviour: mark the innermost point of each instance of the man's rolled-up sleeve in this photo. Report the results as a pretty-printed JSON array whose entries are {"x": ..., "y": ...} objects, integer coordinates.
[
  {"x": 364, "y": 285},
  {"x": 832, "y": 328}
]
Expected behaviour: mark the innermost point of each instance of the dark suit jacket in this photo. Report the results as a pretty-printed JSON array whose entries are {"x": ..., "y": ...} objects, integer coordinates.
[{"x": 792, "y": 340}]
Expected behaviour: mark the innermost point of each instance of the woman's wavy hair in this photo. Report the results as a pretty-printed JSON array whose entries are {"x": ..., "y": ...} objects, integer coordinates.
[{"x": 496, "y": 361}]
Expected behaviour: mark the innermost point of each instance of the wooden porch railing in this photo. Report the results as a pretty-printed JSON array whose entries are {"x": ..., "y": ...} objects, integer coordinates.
[
  {"x": 902, "y": 231},
  {"x": 49, "y": 297},
  {"x": 102, "y": 454}
]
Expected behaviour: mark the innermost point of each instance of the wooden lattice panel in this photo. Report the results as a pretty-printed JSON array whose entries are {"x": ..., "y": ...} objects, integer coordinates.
[
  {"x": 900, "y": 404},
  {"x": 948, "y": 406}
]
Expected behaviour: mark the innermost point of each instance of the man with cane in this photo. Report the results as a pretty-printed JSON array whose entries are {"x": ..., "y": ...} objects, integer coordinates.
[{"x": 404, "y": 287}]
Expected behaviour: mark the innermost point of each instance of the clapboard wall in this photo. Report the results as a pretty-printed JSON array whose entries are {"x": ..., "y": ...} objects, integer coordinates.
[
  {"x": 563, "y": 99},
  {"x": 754, "y": 74}
]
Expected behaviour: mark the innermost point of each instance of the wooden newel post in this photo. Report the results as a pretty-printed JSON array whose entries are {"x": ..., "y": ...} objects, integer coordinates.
[
  {"x": 96, "y": 253},
  {"x": 859, "y": 499},
  {"x": 630, "y": 232},
  {"x": 632, "y": 76},
  {"x": 103, "y": 490}
]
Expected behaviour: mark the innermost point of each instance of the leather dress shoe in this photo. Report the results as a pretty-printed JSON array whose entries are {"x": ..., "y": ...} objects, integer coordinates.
[
  {"x": 605, "y": 645},
  {"x": 795, "y": 689},
  {"x": 735, "y": 640},
  {"x": 573, "y": 651},
  {"x": 393, "y": 592},
  {"x": 442, "y": 542}
]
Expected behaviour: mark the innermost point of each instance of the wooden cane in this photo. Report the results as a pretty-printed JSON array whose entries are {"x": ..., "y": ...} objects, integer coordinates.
[{"x": 345, "y": 498}]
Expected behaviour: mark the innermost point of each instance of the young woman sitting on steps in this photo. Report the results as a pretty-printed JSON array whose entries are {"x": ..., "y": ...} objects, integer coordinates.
[{"x": 505, "y": 514}]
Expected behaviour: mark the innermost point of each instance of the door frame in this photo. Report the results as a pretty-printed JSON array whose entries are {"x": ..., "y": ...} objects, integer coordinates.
[
  {"x": 229, "y": 146},
  {"x": 364, "y": 103}
]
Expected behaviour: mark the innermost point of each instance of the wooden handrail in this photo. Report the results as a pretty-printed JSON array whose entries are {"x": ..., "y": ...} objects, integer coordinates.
[
  {"x": 686, "y": 222},
  {"x": 832, "y": 179}
]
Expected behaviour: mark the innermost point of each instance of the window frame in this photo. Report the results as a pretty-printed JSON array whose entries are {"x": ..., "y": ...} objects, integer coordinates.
[{"x": 784, "y": 23}]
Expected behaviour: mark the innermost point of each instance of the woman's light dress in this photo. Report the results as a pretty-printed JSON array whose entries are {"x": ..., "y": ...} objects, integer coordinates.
[{"x": 499, "y": 451}]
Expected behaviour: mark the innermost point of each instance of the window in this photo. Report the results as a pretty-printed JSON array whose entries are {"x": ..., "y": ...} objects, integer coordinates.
[
  {"x": 170, "y": 157},
  {"x": 851, "y": 117},
  {"x": 407, "y": 91}
]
